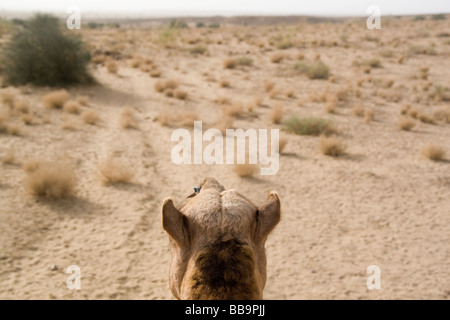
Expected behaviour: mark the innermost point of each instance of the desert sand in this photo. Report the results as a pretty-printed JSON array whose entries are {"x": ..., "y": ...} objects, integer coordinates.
[{"x": 381, "y": 203}]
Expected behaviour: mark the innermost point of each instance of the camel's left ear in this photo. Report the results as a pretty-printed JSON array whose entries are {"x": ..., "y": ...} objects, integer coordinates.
[
  {"x": 173, "y": 221},
  {"x": 268, "y": 216}
]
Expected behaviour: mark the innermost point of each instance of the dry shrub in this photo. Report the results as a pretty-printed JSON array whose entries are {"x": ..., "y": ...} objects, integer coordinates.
[
  {"x": 72, "y": 107},
  {"x": 52, "y": 180},
  {"x": 413, "y": 113},
  {"x": 164, "y": 118},
  {"x": 55, "y": 99},
  {"x": 442, "y": 115},
  {"x": 404, "y": 109},
  {"x": 259, "y": 100},
  {"x": 180, "y": 94},
  {"x": 309, "y": 126},
  {"x": 224, "y": 123},
  {"x": 127, "y": 119},
  {"x": 155, "y": 73},
  {"x": 112, "y": 66},
  {"x": 233, "y": 110},
  {"x": 358, "y": 110},
  {"x": 433, "y": 152},
  {"x": 245, "y": 170},
  {"x": 99, "y": 59},
  {"x": 273, "y": 94},
  {"x": 276, "y": 116},
  {"x": 331, "y": 146},
  {"x": 69, "y": 125},
  {"x": 224, "y": 100},
  {"x": 13, "y": 129},
  {"x": 299, "y": 56},
  {"x": 230, "y": 63},
  {"x": 406, "y": 124},
  {"x": 425, "y": 118},
  {"x": 27, "y": 119},
  {"x": 224, "y": 83},
  {"x": 332, "y": 102},
  {"x": 369, "y": 116},
  {"x": 269, "y": 85},
  {"x": 187, "y": 118},
  {"x": 282, "y": 142},
  {"x": 8, "y": 98},
  {"x": 114, "y": 171},
  {"x": 83, "y": 100},
  {"x": 21, "y": 106},
  {"x": 316, "y": 96},
  {"x": 90, "y": 117},
  {"x": 277, "y": 57},
  {"x": 9, "y": 157},
  {"x": 290, "y": 93},
  {"x": 163, "y": 85}
]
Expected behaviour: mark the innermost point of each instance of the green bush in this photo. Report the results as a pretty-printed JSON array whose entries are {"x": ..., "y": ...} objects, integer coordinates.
[
  {"x": 244, "y": 61},
  {"x": 43, "y": 55},
  {"x": 315, "y": 70},
  {"x": 438, "y": 17},
  {"x": 308, "y": 126}
]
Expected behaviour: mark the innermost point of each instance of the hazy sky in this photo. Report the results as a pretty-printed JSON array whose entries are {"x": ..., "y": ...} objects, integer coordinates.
[{"x": 316, "y": 7}]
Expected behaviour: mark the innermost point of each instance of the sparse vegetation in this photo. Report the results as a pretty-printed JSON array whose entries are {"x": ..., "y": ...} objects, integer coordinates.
[
  {"x": 127, "y": 119},
  {"x": 41, "y": 54},
  {"x": 406, "y": 124},
  {"x": 433, "y": 152},
  {"x": 55, "y": 99},
  {"x": 308, "y": 126},
  {"x": 51, "y": 180},
  {"x": 276, "y": 116},
  {"x": 114, "y": 171},
  {"x": 90, "y": 117},
  {"x": 245, "y": 170},
  {"x": 315, "y": 70},
  {"x": 331, "y": 146}
]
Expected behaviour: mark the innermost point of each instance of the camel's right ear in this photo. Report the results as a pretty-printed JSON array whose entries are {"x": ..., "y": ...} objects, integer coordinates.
[
  {"x": 173, "y": 221},
  {"x": 268, "y": 216}
]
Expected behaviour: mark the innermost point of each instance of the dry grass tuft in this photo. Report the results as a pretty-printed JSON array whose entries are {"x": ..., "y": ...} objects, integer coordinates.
[
  {"x": 27, "y": 119},
  {"x": 276, "y": 116},
  {"x": 283, "y": 141},
  {"x": 332, "y": 146},
  {"x": 404, "y": 109},
  {"x": 442, "y": 115},
  {"x": 269, "y": 85},
  {"x": 234, "y": 110},
  {"x": 425, "y": 118},
  {"x": 245, "y": 170},
  {"x": 21, "y": 106},
  {"x": 277, "y": 57},
  {"x": 112, "y": 66},
  {"x": 164, "y": 85},
  {"x": 8, "y": 98},
  {"x": 433, "y": 152},
  {"x": 224, "y": 123},
  {"x": 90, "y": 117},
  {"x": 72, "y": 107},
  {"x": 52, "y": 180},
  {"x": 230, "y": 63},
  {"x": 127, "y": 119},
  {"x": 358, "y": 110},
  {"x": 224, "y": 83},
  {"x": 83, "y": 100},
  {"x": 369, "y": 116},
  {"x": 9, "y": 157},
  {"x": 180, "y": 94},
  {"x": 114, "y": 171},
  {"x": 55, "y": 99},
  {"x": 406, "y": 124}
]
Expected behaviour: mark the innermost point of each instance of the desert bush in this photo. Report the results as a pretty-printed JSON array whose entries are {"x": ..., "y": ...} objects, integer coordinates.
[
  {"x": 406, "y": 124},
  {"x": 9, "y": 157},
  {"x": 308, "y": 126},
  {"x": 21, "y": 106},
  {"x": 161, "y": 86},
  {"x": 433, "y": 152},
  {"x": 269, "y": 85},
  {"x": 277, "y": 113},
  {"x": 331, "y": 146},
  {"x": 27, "y": 119},
  {"x": 53, "y": 180},
  {"x": 112, "y": 66},
  {"x": 315, "y": 70},
  {"x": 244, "y": 61},
  {"x": 83, "y": 100},
  {"x": 180, "y": 94},
  {"x": 40, "y": 53},
  {"x": 224, "y": 83},
  {"x": 442, "y": 115},
  {"x": 230, "y": 63},
  {"x": 233, "y": 110},
  {"x": 277, "y": 57},
  {"x": 72, "y": 107},
  {"x": 127, "y": 119},
  {"x": 245, "y": 170},
  {"x": 198, "y": 50},
  {"x": 90, "y": 117},
  {"x": 55, "y": 99},
  {"x": 439, "y": 16},
  {"x": 369, "y": 116},
  {"x": 114, "y": 171}
]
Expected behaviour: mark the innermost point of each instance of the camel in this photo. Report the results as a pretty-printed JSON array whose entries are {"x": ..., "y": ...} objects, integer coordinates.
[{"x": 217, "y": 243}]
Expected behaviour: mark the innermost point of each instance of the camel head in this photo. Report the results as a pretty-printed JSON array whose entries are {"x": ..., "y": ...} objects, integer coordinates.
[{"x": 217, "y": 243}]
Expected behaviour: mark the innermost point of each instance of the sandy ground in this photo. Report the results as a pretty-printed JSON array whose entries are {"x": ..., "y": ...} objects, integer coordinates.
[{"x": 381, "y": 204}]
